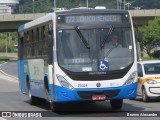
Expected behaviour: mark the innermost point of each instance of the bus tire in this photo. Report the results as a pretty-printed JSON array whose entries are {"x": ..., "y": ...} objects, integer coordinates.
[
  {"x": 54, "y": 106},
  {"x": 145, "y": 98},
  {"x": 116, "y": 104},
  {"x": 32, "y": 100},
  {"x": 46, "y": 88},
  {"x": 132, "y": 98}
]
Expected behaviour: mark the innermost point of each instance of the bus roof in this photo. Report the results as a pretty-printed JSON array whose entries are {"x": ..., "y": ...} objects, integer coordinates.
[
  {"x": 35, "y": 22},
  {"x": 80, "y": 11},
  {"x": 50, "y": 16}
]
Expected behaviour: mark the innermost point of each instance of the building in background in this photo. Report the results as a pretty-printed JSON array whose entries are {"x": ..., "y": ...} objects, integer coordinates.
[
  {"x": 9, "y": 4},
  {"x": 5, "y": 10}
]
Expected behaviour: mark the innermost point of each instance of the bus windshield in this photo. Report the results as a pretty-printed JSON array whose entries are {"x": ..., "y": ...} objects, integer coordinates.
[{"x": 74, "y": 56}]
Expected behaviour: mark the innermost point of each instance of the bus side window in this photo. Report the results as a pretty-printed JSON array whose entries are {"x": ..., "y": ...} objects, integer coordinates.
[
  {"x": 45, "y": 32},
  {"x": 42, "y": 32},
  {"x": 32, "y": 43},
  {"x": 30, "y": 36},
  {"x": 27, "y": 37},
  {"x": 50, "y": 47},
  {"x": 40, "y": 41},
  {"x": 45, "y": 40}
]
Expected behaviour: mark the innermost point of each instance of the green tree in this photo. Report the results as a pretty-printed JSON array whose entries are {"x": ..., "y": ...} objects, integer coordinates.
[
  {"x": 47, "y": 5},
  {"x": 26, "y": 6},
  {"x": 151, "y": 35},
  {"x": 10, "y": 41}
]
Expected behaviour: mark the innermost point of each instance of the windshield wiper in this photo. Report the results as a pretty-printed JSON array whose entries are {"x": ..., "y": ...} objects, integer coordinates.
[
  {"x": 106, "y": 37},
  {"x": 82, "y": 37}
]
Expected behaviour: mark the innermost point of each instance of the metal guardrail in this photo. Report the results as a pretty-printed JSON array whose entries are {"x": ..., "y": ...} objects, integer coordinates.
[
  {"x": 145, "y": 13},
  {"x": 22, "y": 17},
  {"x": 13, "y": 55}
]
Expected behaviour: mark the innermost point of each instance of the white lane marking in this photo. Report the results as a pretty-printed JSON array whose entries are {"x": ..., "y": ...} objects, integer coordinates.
[
  {"x": 6, "y": 76},
  {"x": 2, "y": 118}
]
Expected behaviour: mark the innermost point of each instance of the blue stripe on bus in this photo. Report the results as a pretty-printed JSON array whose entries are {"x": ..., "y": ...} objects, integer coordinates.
[
  {"x": 21, "y": 76},
  {"x": 37, "y": 88},
  {"x": 68, "y": 95}
]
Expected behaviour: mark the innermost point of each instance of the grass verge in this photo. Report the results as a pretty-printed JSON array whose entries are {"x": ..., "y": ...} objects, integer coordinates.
[
  {"x": 148, "y": 58},
  {"x": 4, "y": 59}
]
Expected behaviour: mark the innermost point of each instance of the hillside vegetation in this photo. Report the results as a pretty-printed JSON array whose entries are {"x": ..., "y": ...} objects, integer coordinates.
[{"x": 26, "y": 6}]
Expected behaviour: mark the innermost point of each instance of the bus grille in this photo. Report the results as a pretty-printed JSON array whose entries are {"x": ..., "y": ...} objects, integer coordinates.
[{"x": 88, "y": 94}]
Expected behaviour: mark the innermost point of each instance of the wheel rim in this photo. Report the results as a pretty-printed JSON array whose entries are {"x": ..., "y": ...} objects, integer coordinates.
[{"x": 29, "y": 94}]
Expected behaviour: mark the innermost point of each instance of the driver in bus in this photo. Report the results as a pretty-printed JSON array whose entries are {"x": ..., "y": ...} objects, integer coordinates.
[
  {"x": 110, "y": 46},
  {"x": 113, "y": 43}
]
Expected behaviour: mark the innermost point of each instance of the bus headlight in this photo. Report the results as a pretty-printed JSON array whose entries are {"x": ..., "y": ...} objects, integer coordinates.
[
  {"x": 151, "y": 81},
  {"x": 64, "y": 82},
  {"x": 130, "y": 79}
]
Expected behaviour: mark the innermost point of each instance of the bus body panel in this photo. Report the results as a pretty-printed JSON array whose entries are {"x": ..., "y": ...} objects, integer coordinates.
[
  {"x": 22, "y": 81},
  {"x": 35, "y": 70},
  {"x": 65, "y": 94},
  {"x": 36, "y": 77},
  {"x": 92, "y": 84},
  {"x": 37, "y": 89},
  {"x": 51, "y": 82},
  {"x": 38, "y": 69},
  {"x": 69, "y": 95}
]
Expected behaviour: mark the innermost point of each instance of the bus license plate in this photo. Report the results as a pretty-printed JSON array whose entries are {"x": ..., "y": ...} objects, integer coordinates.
[{"x": 98, "y": 97}]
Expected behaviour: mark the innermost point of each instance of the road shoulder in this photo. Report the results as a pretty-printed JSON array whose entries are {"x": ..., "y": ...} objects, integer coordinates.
[{"x": 6, "y": 76}]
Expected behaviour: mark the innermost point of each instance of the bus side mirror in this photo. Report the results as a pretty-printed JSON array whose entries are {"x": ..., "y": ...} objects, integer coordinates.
[
  {"x": 140, "y": 74},
  {"x": 138, "y": 36}
]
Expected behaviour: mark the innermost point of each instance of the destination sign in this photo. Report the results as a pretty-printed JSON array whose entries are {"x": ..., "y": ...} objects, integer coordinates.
[{"x": 93, "y": 19}]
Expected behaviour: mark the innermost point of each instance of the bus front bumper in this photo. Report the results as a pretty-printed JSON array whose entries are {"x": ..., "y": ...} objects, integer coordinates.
[{"x": 71, "y": 95}]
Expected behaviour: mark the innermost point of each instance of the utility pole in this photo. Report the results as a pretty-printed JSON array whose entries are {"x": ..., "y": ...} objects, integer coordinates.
[
  {"x": 9, "y": 37},
  {"x": 6, "y": 43},
  {"x": 117, "y": 4},
  {"x": 33, "y": 5},
  {"x": 54, "y": 5},
  {"x": 124, "y": 4},
  {"x": 87, "y": 3}
]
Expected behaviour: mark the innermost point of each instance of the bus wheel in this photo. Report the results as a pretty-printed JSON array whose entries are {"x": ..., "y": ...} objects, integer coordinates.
[
  {"x": 54, "y": 106},
  {"x": 116, "y": 104},
  {"x": 145, "y": 98},
  {"x": 32, "y": 99}
]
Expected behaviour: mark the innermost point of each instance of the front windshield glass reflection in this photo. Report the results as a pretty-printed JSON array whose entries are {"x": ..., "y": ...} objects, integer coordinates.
[{"x": 96, "y": 51}]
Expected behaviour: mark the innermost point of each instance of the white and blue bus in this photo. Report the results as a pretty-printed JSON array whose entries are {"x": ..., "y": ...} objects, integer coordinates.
[{"x": 65, "y": 57}]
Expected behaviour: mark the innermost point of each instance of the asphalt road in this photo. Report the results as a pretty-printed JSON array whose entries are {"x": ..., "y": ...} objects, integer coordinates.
[
  {"x": 11, "y": 99},
  {"x": 10, "y": 68}
]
